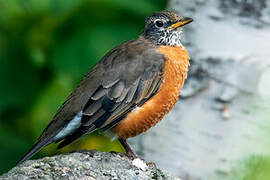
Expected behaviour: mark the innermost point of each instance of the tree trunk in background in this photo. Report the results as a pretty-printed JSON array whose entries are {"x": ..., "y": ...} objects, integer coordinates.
[{"x": 222, "y": 118}]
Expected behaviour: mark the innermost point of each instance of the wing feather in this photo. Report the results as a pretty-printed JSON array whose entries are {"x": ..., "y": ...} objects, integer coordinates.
[
  {"x": 132, "y": 91},
  {"x": 116, "y": 90},
  {"x": 92, "y": 107}
]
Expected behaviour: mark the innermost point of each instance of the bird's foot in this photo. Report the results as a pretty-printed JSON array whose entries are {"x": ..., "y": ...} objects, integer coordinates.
[
  {"x": 116, "y": 153},
  {"x": 131, "y": 155},
  {"x": 129, "y": 152}
]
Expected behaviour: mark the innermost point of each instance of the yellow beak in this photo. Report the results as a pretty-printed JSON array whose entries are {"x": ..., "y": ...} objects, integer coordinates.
[{"x": 181, "y": 23}]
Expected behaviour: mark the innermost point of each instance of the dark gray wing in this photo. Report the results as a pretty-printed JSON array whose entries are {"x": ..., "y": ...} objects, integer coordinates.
[{"x": 127, "y": 83}]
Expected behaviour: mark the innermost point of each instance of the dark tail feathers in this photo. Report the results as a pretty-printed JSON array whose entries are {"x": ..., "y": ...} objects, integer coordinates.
[{"x": 40, "y": 144}]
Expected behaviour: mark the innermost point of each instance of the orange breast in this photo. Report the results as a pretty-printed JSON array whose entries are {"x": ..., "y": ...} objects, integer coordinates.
[{"x": 152, "y": 111}]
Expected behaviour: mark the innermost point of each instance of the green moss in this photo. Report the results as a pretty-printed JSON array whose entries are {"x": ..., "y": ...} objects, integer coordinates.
[{"x": 157, "y": 174}]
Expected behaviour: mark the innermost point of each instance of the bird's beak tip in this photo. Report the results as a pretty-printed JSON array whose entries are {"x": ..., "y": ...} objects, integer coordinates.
[{"x": 182, "y": 22}]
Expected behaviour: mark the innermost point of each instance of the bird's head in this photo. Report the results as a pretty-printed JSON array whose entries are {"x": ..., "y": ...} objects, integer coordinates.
[{"x": 165, "y": 28}]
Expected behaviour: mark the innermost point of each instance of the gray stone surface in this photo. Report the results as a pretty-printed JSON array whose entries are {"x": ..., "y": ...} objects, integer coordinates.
[{"x": 84, "y": 165}]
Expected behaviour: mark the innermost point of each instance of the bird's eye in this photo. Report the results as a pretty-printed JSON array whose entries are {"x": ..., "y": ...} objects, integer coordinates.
[{"x": 159, "y": 23}]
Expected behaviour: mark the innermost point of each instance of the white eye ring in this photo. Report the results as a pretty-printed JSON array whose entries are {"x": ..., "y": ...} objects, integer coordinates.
[{"x": 159, "y": 23}]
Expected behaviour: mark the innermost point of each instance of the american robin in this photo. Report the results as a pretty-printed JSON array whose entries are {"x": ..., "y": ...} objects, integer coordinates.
[{"x": 128, "y": 91}]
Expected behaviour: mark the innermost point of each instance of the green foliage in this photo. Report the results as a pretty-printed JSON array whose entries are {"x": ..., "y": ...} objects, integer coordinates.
[
  {"x": 253, "y": 168},
  {"x": 257, "y": 168},
  {"x": 46, "y": 47}
]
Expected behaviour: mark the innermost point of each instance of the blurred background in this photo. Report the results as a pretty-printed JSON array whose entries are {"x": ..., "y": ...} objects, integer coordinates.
[
  {"x": 219, "y": 129},
  {"x": 46, "y": 47}
]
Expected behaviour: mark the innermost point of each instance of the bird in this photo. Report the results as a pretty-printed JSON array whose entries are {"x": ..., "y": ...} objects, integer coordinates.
[{"x": 128, "y": 91}]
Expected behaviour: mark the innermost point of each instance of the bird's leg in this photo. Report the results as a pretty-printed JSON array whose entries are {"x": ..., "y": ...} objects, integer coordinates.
[{"x": 129, "y": 152}]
